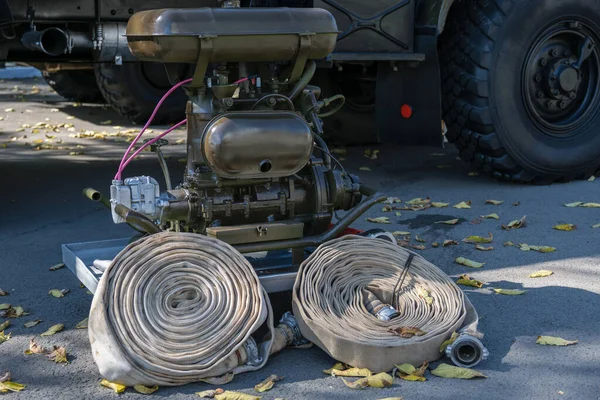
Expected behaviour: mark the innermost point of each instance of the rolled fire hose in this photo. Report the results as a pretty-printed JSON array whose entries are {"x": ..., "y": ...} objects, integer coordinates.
[
  {"x": 174, "y": 308},
  {"x": 333, "y": 301}
]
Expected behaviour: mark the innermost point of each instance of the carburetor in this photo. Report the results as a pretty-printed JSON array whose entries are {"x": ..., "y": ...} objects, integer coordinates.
[{"x": 257, "y": 168}]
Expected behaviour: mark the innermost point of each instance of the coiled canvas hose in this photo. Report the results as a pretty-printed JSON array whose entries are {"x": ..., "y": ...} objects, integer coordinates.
[
  {"x": 173, "y": 308},
  {"x": 337, "y": 282}
]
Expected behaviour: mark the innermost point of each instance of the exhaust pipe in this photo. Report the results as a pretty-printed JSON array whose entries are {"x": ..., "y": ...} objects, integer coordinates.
[
  {"x": 467, "y": 351},
  {"x": 55, "y": 41}
]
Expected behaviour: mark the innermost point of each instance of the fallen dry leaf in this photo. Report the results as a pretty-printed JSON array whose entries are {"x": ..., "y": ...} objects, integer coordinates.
[
  {"x": 575, "y": 204},
  {"x": 541, "y": 273},
  {"x": 3, "y": 293},
  {"x": 381, "y": 380},
  {"x": 463, "y": 204},
  {"x": 468, "y": 263},
  {"x": 448, "y": 222},
  {"x": 491, "y": 216},
  {"x": 465, "y": 280},
  {"x": 590, "y": 205},
  {"x": 554, "y": 341},
  {"x": 5, "y": 325},
  {"x": 484, "y": 248},
  {"x": 541, "y": 249},
  {"x": 448, "y": 342},
  {"x": 267, "y": 384},
  {"x": 506, "y": 244},
  {"x": 209, "y": 394},
  {"x": 593, "y": 226},
  {"x": 398, "y": 214},
  {"x": 57, "y": 266},
  {"x": 7, "y": 376},
  {"x": 494, "y": 202},
  {"x": 592, "y": 178},
  {"x": 218, "y": 380},
  {"x": 449, "y": 242},
  {"x": 565, "y": 227},
  {"x": 379, "y": 220},
  {"x": 392, "y": 200},
  {"x": 53, "y": 329},
  {"x": 145, "y": 389},
  {"x": 439, "y": 205},
  {"x": 34, "y": 348},
  {"x": 58, "y": 293},
  {"x": 32, "y": 323},
  {"x": 516, "y": 203},
  {"x": 419, "y": 201},
  {"x": 13, "y": 312},
  {"x": 364, "y": 169},
  {"x": 5, "y": 306},
  {"x": 400, "y": 233},
  {"x": 58, "y": 355},
  {"x": 479, "y": 239},
  {"x": 509, "y": 292},
  {"x": 83, "y": 324},
  {"x": 473, "y": 173},
  {"x": 450, "y": 371},
  {"x": 339, "y": 151},
  {"x": 4, "y": 337},
  {"x": 11, "y": 386},
  {"x": 420, "y": 240},
  {"x": 386, "y": 208},
  {"x": 231, "y": 395},
  {"x": 10, "y": 109},
  {"x": 372, "y": 154},
  {"x": 407, "y": 331},
  {"x": 516, "y": 224},
  {"x": 435, "y": 244},
  {"x": 117, "y": 387},
  {"x": 418, "y": 247},
  {"x": 408, "y": 372}
]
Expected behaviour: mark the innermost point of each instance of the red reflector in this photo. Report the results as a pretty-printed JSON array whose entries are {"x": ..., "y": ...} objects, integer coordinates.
[{"x": 406, "y": 111}]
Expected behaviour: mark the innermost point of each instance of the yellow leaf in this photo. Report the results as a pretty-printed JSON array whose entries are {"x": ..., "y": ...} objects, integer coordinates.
[
  {"x": 76, "y": 153},
  {"x": 596, "y": 226},
  {"x": 424, "y": 294},
  {"x": 408, "y": 372},
  {"x": 53, "y": 329},
  {"x": 180, "y": 141},
  {"x": 479, "y": 239},
  {"x": 448, "y": 342},
  {"x": 338, "y": 367},
  {"x": 9, "y": 110},
  {"x": 117, "y": 387},
  {"x": 3, "y": 293},
  {"x": 145, "y": 389},
  {"x": 4, "y": 337},
  {"x": 449, "y": 242},
  {"x": 35, "y": 348},
  {"x": 407, "y": 331},
  {"x": 70, "y": 117},
  {"x": 57, "y": 266},
  {"x": 4, "y": 325},
  {"x": 463, "y": 204},
  {"x": 338, "y": 151},
  {"x": 465, "y": 280},
  {"x": 267, "y": 384},
  {"x": 398, "y": 214},
  {"x": 543, "y": 249},
  {"x": 565, "y": 227},
  {"x": 590, "y": 205},
  {"x": 392, "y": 200},
  {"x": 435, "y": 244},
  {"x": 484, "y": 248},
  {"x": 494, "y": 202},
  {"x": 510, "y": 292},
  {"x": 364, "y": 169},
  {"x": 386, "y": 208},
  {"x": 575, "y": 204},
  {"x": 32, "y": 323},
  {"x": 14, "y": 312},
  {"x": 506, "y": 244},
  {"x": 420, "y": 240},
  {"x": 58, "y": 293},
  {"x": 418, "y": 201},
  {"x": 541, "y": 274},
  {"x": 468, "y": 263},
  {"x": 592, "y": 178},
  {"x": 516, "y": 224},
  {"x": 473, "y": 173},
  {"x": 12, "y": 386},
  {"x": 58, "y": 355},
  {"x": 209, "y": 394},
  {"x": 372, "y": 154},
  {"x": 554, "y": 341},
  {"x": 230, "y": 395},
  {"x": 450, "y": 371},
  {"x": 218, "y": 380},
  {"x": 107, "y": 122},
  {"x": 418, "y": 246},
  {"x": 352, "y": 372},
  {"x": 400, "y": 233},
  {"x": 381, "y": 380},
  {"x": 4, "y": 306},
  {"x": 449, "y": 222},
  {"x": 491, "y": 216},
  {"x": 439, "y": 205},
  {"x": 380, "y": 220}
]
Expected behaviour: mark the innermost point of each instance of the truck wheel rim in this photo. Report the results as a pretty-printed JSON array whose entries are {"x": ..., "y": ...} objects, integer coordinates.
[{"x": 559, "y": 86}]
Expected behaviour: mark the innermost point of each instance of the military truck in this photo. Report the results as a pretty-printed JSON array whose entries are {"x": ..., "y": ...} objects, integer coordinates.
[{"x": 512, "y": 83}]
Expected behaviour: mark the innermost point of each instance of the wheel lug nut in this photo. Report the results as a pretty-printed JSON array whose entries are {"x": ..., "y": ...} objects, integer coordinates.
[
  {"x": 554, "y": 52},
  {"x": 538, "y": 78},
  {"x": 555, "y": 92},
  {"x": 540, "y": 94},
  {"x": 572, "y": 95},
  {"x": 544, "y": 62},
  {"x": 563, "y": 104},
  {"x": 551, "y": 104}
]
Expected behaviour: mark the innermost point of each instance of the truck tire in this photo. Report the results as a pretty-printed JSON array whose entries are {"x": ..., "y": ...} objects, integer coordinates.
[
  {"x": 75, "y": 85},
  {"x": 134, "y": 89},
  {"x": 517, "y": 101}
]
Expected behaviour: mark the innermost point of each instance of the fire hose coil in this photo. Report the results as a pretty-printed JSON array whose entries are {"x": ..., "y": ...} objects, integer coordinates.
[
  {"x": 174, "y": 308},
  {"x": 332, "y": 292}
]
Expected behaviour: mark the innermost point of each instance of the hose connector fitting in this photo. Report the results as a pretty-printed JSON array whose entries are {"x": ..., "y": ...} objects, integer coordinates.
[
  {"x": 467, "y": 351},
  {"x": 289, "y": 320}
]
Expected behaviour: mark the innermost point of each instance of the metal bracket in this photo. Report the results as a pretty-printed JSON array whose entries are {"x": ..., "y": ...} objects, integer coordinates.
[
  {"x": 302, "y": 57},
  {"x": 206, "y": 45}
]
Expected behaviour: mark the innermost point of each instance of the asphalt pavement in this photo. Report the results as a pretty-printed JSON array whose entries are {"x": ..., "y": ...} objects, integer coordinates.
[{"x": 41, "y": 207}]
